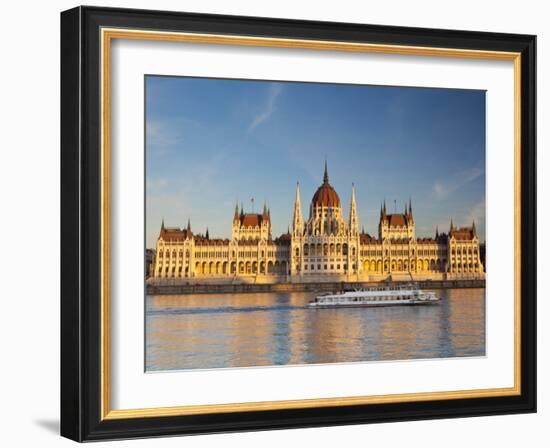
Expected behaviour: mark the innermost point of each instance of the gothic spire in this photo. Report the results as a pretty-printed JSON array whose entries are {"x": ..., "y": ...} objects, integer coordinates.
[
  {"x": 452, "y": 226},
  {"x": 297, "y": 222},
  {"x": 436, "y": 232},
  {"x": 189, "y": 224},
  {"x": 353, "y": 218},
  {"x": 162, "y": 225},
  {"x": 236, "y": 215},
  {"x": 325, "y": 176},
  {"x": 474, "y": 229},
  {"x": 207, "y": 234}
]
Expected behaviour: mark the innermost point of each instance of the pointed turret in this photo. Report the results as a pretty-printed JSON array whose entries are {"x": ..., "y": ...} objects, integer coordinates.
[
  {"x": 297, "y": 221},
  {"x": 236, "y": 214},
  {"x": 353, "y": 218},
  {"x": 325, "y": 176},
  {"x": 384, "y": 212},
  {"x": 452, "y": 226},
  {"x": 162, "y": 224},
  {"x": 207, "y": 234},
  {"x": 474, "y": 229},
  {"x": 242, "y": 211},
  {"x": 436, "y": 232},
  {"x": 189, "y": 224}
]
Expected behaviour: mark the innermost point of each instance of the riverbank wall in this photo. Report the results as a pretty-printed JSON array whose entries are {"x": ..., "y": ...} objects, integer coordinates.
[{"x": 159, "y": 288}]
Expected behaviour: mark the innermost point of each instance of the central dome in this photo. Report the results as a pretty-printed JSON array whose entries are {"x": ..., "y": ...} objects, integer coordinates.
[{"x": 325, "y": 196}]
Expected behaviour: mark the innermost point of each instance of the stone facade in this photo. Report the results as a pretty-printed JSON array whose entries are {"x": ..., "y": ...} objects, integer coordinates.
[{"x": 325, "y": 247}]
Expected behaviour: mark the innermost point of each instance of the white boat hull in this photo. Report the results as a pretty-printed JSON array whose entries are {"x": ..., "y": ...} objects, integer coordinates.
[
  {"x": 343, "y": 304},
  {"x": 381, "y": 296}
]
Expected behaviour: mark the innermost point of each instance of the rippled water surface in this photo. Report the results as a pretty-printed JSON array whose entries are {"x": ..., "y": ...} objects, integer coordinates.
[{"x": 240, "y": 330}]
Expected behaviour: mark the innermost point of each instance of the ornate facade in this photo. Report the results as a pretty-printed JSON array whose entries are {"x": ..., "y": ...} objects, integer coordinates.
[{"x": 326, "y": 246}]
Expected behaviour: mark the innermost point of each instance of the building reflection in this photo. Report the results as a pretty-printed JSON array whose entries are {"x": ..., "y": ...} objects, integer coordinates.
[{"x": 240, "y": 330}]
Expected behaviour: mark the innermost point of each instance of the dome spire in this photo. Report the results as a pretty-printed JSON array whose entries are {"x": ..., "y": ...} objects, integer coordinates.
[{"x": 325, "y": 196}]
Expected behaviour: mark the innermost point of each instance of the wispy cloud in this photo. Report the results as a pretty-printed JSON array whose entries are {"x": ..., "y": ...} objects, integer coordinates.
[
  {"x": 443, "y": 188},
  {"x": 164, "y": 136},
  {"x": 156, "y": 184},
  {"x": 275, "y": 91}
]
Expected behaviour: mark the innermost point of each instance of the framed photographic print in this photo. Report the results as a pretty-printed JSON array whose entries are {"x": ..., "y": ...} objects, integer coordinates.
[{"x": 275, "y": 224}]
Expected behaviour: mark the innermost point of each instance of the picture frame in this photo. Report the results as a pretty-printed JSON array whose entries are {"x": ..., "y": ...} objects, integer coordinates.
[{"x": 86, "y": 210}]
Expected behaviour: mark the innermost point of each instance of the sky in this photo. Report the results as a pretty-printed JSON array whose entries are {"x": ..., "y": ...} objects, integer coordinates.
[{"x": 212, "y": 143}]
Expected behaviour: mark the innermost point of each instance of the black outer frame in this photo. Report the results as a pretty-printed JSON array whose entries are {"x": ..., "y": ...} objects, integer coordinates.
[{"x": 80, "y": 224}]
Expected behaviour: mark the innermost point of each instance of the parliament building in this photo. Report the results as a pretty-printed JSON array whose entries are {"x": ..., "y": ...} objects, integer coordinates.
[{"x": 325, "y": 247}]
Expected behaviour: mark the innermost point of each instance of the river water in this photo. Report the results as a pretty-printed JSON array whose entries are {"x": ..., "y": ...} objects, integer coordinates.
[{"x": 205, "y": 331}]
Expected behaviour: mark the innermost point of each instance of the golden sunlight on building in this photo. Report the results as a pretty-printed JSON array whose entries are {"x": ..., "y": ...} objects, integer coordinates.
[{"x": 325, "y": 247}]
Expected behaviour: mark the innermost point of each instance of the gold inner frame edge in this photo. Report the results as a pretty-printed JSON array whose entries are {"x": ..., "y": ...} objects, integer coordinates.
[{"x": 107, "y": 35}]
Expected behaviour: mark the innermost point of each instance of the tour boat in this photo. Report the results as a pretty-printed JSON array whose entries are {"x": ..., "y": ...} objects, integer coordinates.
[{"x": 376, "y": 296}]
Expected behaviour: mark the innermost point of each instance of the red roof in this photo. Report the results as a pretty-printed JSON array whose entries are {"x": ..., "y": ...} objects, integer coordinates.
[
  {"x": 397, "y": 220},
  {"x": 284, "y": 239},
  {"x": 366, "y": 238},
  {"x": 326, "y": 196},
  {"x": 175, "y": 234},
  {"x": 251, "y": 220},
  {"x": 462, "y": 234}
]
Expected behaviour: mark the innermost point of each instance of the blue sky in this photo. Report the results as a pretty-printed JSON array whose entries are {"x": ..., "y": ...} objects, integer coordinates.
[{"x": 212, "y": 142}]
